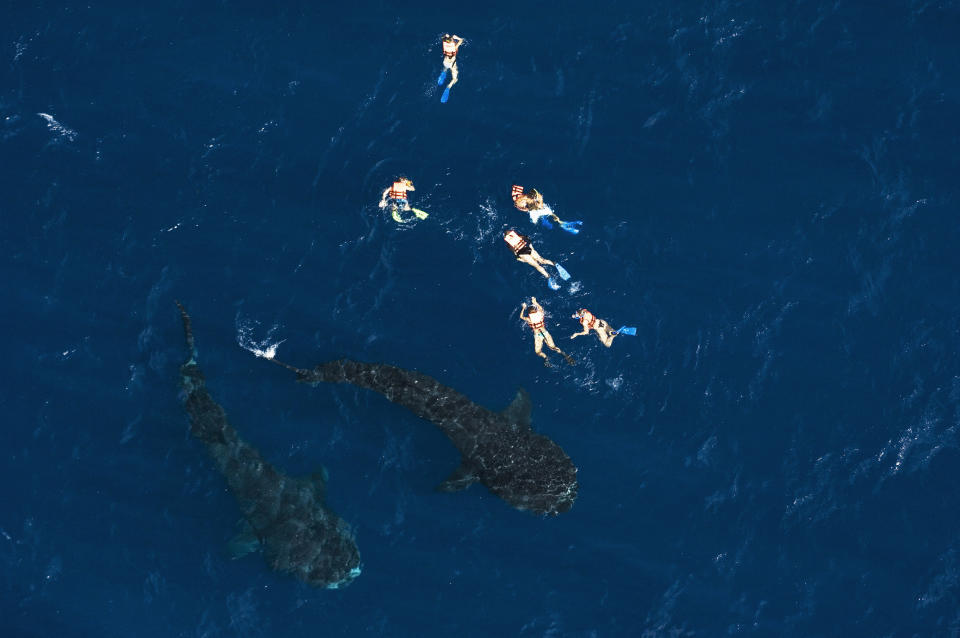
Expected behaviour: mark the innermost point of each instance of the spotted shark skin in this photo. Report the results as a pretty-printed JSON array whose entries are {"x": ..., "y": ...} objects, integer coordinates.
[
  {"x": 286, "y": 517},
  {"x": 499, "y": 449}
]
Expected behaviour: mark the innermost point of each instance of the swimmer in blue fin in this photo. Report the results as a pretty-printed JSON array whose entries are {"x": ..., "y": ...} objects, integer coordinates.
[
  {"x": 451, "y": 44},
  {"x": 589, "y": 321},
  {"x": 395, "y": 196},
  {"x": 525, "y": 252},
  {"x": 535, "y": 319},
  {"x": 531, "y": 202}
]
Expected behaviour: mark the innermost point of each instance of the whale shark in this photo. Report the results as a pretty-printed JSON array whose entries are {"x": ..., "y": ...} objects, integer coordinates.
[
  {"x": 285, "y": 517},
  {"x": 499, "y": 449}
]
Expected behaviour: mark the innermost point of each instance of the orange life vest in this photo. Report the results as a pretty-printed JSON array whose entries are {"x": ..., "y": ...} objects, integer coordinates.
[
  {"x": 398, "y": 190},
  {"x": 587, "y": 317},
  {"x": 516, "y": 192},
  {"x": 515, "y": 241},
  {"x": 535, "y": 318},
  {"x": 449, "y": 48}
]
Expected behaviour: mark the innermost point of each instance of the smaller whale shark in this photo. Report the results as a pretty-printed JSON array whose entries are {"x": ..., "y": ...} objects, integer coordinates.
[
  {"x": 286, "y": 517},
  {"x": 499, "y": 449}
]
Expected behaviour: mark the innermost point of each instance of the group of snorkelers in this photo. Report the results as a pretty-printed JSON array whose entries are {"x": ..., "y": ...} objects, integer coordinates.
[{"x": 529, "y": 201}]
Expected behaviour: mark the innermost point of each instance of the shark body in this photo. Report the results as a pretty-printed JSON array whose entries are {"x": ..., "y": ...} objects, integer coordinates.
[
  {"x": 499, "y": 449},
  {"x": 286, "y": 517}
]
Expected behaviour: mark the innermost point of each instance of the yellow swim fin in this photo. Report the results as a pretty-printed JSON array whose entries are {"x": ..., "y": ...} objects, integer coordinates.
[
  {"x": 419, "y": 213},
  {"x": 396, "y": 216}
]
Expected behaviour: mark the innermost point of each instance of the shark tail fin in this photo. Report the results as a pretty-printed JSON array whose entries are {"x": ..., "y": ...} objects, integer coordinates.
[
  {"x": 330, "y": 372},
  {"x": 207, "y": 417},
  {"x": 188, "y": 332}
]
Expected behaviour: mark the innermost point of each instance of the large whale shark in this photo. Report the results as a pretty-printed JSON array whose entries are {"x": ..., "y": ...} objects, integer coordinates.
[
  {"x": 499, "y": 449},
  {"x": 286, "y": 517}
]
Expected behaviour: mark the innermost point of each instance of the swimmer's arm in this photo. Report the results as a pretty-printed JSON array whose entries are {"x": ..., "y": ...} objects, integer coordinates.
[
  {"x": 580, "y": 334},
  {"x": 523, "y": 309},
  {"x": 383, "y": 198},
  {"x": 459, "y": 40}
]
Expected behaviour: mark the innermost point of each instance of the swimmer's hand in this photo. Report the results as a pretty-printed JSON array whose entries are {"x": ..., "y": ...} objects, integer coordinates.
[{"x": 383, "y": 203}]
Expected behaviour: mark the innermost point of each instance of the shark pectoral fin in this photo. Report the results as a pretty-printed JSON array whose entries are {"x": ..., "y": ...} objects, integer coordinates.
[
  {"x": 321, "y": 476},
  {"x": 460, "y": 479},
  {"x": 245, "y": 542},
  {"x": 519, "y": 409}
]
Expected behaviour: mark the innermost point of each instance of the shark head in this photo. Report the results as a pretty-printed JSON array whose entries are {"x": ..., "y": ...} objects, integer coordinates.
[{"x": 321, "y": 552}]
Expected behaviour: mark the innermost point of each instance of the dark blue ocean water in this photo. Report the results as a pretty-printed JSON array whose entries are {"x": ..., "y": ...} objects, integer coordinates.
[{"x": 770, "y": 194}]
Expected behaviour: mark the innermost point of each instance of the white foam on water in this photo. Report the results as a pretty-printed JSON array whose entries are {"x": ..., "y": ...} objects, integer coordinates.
[
  {"x": 265, "y": 348},
  {"x": 62, "y": 131},
  {"x": 535, "y": 215}
]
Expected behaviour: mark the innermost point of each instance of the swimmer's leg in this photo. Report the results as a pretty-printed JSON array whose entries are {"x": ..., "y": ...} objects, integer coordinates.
[
  {"x": 606, "y": 338},
  {"x": 541, "y": 270},
  {"x": 454, "y": 75},
  {"x": 539, "y": 259},
  {"x": 553, "y": 346},
  {"x": 530, "y": 261},
  {"x": 538, "y": 348}
]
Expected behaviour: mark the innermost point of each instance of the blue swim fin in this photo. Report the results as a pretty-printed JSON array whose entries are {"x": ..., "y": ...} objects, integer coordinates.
[
  {"x": 546, "y": 222},
  {"x": 627, "y": 330},
  {"x": 563, "y": 272},
  {"x": 445, "y": 96},
  {"x": 442, "y": 78},
  {"x": 553, "y": 284},
  {"x": 571, "y": 227}
]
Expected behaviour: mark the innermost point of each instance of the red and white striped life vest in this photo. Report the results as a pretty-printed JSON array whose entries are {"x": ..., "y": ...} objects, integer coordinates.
[
  {"x": 398, "y": 190},
  {"x": 515, "y": 241},
  {"x": 587, "y": 318},
  {"x": 535, "y": 318}
]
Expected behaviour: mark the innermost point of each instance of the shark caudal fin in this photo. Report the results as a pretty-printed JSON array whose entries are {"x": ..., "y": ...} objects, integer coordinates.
[
  {"x": 329, "y": 372},
  {"x": 188, "y": 332},
  {"x": 207, "y": 418}
]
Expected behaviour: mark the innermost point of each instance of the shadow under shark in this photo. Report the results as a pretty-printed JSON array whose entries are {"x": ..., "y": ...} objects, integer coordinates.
[
  {"x": 500, "y": 449},
  {"x": 286, "y": 517}
]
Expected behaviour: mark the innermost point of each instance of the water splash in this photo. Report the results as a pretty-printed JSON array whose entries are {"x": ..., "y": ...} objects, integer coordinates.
[
  {"x": 62, "y": 131},
  {"x": 265, "y": 348}
]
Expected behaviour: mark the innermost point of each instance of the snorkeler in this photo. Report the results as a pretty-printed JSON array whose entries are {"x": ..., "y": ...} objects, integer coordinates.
[
  {"x": 589, "y": 321},
  {"x": 535, "y": 318},
  {"x": 397, "y": 196},
  {"x": 531, "y": 201},
  {"x": 525, "y": 252},
  {"x": 451, "y": 44}
]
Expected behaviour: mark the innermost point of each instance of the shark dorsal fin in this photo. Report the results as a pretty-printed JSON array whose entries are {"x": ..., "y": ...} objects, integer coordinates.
[{"x": 519, "y": 409}]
